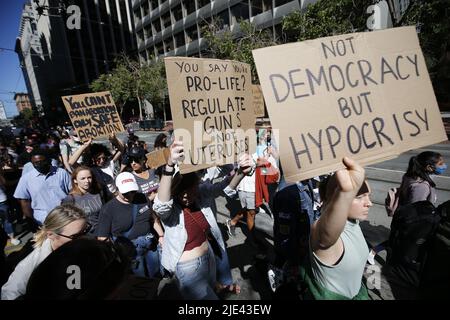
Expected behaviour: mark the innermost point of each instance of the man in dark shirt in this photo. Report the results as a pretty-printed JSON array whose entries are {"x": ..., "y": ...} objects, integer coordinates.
[{"x": 128, "y": 215}]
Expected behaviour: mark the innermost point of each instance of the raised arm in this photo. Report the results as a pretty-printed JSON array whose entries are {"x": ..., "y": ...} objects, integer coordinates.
[
  {"x": 327, "y": 230},
  {"x": 118, "y": 144},
  {"x": 74, "y": 158},
  {"x": 176, "y": 153}
]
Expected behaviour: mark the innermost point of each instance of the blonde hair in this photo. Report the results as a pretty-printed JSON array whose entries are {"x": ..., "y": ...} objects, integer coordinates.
[{"x": 56, "y": 220}]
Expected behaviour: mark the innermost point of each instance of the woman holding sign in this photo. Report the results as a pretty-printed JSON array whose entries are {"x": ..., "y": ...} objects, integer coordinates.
[
  {"x": 338, "y": 250},
  {"x": 192, "y": 236}
]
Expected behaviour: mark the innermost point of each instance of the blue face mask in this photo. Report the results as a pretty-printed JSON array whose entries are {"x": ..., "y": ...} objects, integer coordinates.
[{"x": 440, "y": 169}]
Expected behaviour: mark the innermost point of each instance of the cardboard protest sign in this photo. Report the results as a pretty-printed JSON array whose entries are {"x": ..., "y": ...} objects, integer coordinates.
[
  {"x": 93, "y": 115},
  {"x": 212, "y": 110},
  {"x": 258, "y": 101},
  {"x": 364, "y": 95},
  {"x": 157, "y": 158}
]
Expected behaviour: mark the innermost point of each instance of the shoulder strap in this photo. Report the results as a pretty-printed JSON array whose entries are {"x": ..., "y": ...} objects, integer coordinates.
[{"x": 135, "y": 211}]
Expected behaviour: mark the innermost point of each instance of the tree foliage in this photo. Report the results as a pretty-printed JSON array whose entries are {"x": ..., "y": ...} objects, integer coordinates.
[
  {"x": 131, "y": 81},
  {"x": 327, "y": 18},
  {"x": 224, "y": 44}
]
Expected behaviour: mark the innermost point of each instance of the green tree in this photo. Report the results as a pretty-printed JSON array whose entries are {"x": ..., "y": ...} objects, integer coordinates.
[
  {"x": 130, "y": 81},
  {"x": 24, "y": 118},
  {"x": 223, "y": 44},
  {"x": 327, "y": 18}
]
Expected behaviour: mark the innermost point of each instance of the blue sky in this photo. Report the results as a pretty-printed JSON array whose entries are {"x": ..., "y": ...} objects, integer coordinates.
[{"x": 11, "y": 78}]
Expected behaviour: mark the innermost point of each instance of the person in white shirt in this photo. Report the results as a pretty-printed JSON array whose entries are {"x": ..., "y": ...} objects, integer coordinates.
[{"x": 63, "y": 224}]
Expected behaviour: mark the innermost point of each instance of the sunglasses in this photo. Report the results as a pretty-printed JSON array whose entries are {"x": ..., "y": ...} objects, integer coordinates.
[
  {"x": 137, "y": 160},
  {"x": 79, "y": 234}
]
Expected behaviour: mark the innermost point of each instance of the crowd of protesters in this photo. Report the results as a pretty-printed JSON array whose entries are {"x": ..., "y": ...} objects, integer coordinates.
[{"x": 89, "y": 200}]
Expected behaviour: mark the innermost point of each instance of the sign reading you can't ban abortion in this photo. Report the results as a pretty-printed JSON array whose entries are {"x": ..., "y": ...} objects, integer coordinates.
[
  {"x": 93, "y": 115},
  {"x": 212, "y": 109},
  {"x": 364, "y": 95}
]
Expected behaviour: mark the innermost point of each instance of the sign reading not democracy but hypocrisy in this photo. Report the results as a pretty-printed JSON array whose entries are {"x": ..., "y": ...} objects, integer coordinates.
[
  {"x": 364, "y": 95},
  {"x": 258, "y": 100},
  {"x": 212, "y": 109},
  {"x": 93, "y": 115}
]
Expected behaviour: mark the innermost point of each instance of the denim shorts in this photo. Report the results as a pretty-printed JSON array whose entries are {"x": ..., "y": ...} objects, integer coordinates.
[
  {"x": 247, "y": 200},
  {"x": 197, "y": 277}
]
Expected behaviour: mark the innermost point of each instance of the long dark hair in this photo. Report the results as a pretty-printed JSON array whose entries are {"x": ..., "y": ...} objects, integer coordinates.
[
  {"x": 417, "y": 167},
  {"x": 182, "y": 182},
  {"x": 93, "y": 151}
]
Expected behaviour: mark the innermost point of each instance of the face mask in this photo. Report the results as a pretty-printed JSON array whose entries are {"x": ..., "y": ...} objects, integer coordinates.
[
  {"x": 441, "y": 169},
  {"x": 42, "y": 167}
]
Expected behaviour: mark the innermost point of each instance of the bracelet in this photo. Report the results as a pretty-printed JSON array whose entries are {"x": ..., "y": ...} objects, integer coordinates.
[{"x": 170, "y": 165}]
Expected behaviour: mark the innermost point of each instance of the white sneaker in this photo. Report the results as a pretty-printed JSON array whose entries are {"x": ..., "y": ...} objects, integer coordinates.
[
  {"x": 371, "y": 257},
  {"x": 15, "y": 242},
  {"x": 275, "y": 277}
]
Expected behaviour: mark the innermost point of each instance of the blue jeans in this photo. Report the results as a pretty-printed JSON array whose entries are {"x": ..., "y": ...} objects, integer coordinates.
[
  {"x": 223, "y": 269},
  {"x": 150, "y": 259},
  {"x": 4, "y": 209},
  {"x": 197, "y": 277}
]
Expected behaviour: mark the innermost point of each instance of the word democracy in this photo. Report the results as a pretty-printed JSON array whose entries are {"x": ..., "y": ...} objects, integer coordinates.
[{"x": 300, "y": 83}]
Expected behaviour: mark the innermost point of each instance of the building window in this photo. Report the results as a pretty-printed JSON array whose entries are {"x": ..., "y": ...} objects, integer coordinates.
[
  {"x": 160, "y": 49},
  {"x": 168, "y": 44},
  {"x": 177, "y": 13},
  {"x": 156, "y": 26},
  {"x": 281, "y": 2},
  {"x": 239, "y": 12},
  {"x": 256, "y": 7},
  {"x": 179, "y": 39},
  {"x": 140, "y": 36},
  {"x": 189, "y": 6},
  {"x": 166, "y": 20},
  {"x": 145, "y": 9},
  {"x": 202, "y": 3},
  {"x": 148, "y": 31},
  {"x": 223, "y": 19},
  {"x": 154, "y": 4},
  {"x": 191, "y": 34},
  {"x": 137, "y": 15}
]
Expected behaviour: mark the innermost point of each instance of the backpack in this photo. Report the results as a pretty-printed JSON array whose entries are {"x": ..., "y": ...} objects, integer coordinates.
[
  {"x": 412, "y": 229},
  {"x": 435, "y": 278},
  {"x": 391, "y": 201},
  {"x": 292, "y": 224}
]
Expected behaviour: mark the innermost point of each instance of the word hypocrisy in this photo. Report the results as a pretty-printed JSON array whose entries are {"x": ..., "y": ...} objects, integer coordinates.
[
  {"x": 212, "y": 107},
  {"x": 364, "y": 95},
  {"x": 93, "y": 115}
]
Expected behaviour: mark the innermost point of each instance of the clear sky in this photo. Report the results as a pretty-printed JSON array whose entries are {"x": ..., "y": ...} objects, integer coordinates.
[{"x": 11, "y": 78}]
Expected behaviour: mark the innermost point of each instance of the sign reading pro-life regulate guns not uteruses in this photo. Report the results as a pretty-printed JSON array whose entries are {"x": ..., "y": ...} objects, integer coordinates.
[
  {"x": 363, "y": 95},
  {"x": 212, "y": 109},
  {"x": 93, "y": 115}
]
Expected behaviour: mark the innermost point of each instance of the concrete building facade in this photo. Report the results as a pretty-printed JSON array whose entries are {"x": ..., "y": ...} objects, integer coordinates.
[
  {"x": 173, "y": 27},
  {"x": 57, "y": 60}
]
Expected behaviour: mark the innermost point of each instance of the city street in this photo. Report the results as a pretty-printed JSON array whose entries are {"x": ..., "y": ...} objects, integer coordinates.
[{"x": 248, "y": 264}]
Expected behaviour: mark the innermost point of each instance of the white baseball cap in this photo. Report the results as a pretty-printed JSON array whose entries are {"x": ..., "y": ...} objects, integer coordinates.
[{"x": 126, "y": 182}]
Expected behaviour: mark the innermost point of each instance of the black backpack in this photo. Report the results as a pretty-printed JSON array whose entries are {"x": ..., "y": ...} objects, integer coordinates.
[
  {"x": 291, "y": 226},
  {"x": 435, "y": 280},
  {"x": 412, "y": 228}
]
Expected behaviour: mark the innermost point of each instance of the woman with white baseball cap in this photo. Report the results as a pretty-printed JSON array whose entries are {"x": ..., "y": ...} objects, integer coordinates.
[{"x": 128, "y": 215}]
